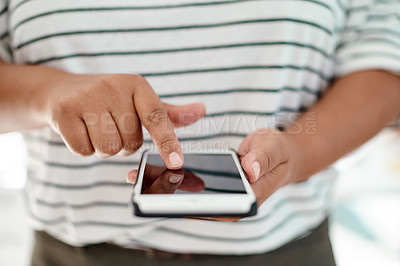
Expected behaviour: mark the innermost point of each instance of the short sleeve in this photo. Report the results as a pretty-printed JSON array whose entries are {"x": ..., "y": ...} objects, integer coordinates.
[
  {"x": 5, "y": 53},
  {"x": 370, "y": 38}
]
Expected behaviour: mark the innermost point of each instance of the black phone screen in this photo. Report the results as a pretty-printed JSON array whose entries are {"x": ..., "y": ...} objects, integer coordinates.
[{"x": 201, "y": 174}]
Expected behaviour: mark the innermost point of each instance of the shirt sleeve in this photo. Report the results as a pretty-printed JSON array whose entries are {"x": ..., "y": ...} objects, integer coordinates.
[
  {"x": 370, "y": 38},
  {"x": 5, "y": 53}
]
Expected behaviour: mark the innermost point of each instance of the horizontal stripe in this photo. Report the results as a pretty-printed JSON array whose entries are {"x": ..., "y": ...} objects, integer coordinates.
[
  {"x": 369, "y": 54},
  {"x": 177, "y": 50},
  {"x": 63, "y": 219},
  {"x": 377, "y": 40},
  {"x": 185, "y": 27},
  {"x": 121, "y": 8},
  {"x": 239, "y": 90},
  {"x": 89, "y": 223},
  {"x": 18, "y": 5},
  {"x": 4, "y": 10},
  {"x": 155, "y": 6},
  {"x": 377, "y": 31},
  {"x": 356, "y": 9},
  {"x": 71, "y": 166},
  {"x": 90, "y": 165},
  {"x": 282, "y": 109},
  {"x": 77, "y": 187},
  {"x": 129, "y": 8},
  {"x": 381, "y": 17},
  {"x": 57, "y": 205},
  {"x": 257, "y": 81},
  {"x": 3, "y": 35},
  {"x": 236, "y": 68},
  {"x": 283, "y": 221},
  {"x": 43, "y": 140}
]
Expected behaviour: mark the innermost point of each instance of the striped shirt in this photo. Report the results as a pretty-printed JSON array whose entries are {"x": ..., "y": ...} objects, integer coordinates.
[{"x": 254, "y": 64}]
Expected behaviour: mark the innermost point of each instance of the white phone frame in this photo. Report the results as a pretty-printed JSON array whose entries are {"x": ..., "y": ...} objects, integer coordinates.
[{"x": 178, "y": 205}]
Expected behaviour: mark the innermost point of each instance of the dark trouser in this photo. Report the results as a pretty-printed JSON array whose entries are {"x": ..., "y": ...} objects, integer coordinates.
[{"x": 315, "y": 249}]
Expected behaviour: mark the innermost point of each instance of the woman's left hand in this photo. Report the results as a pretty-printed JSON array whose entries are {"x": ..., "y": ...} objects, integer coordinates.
[{"x": 270, "y": 159}]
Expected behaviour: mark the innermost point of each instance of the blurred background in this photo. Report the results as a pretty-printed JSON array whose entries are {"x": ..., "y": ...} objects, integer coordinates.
[{"x": 364, "y": 217}]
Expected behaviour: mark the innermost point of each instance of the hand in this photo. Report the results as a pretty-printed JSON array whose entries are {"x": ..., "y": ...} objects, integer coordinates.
[
  {"x": 270, "y": 160},
  {"x": 105, "y": 114}
]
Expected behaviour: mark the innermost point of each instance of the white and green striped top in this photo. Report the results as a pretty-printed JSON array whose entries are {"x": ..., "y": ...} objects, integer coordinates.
[{"x": 253, "y": 63}]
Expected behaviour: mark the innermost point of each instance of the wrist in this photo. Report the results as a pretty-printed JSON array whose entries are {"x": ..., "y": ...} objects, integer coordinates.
[
  {"x": 48, "y": 83},
  {"x": 299, "y": 156}
]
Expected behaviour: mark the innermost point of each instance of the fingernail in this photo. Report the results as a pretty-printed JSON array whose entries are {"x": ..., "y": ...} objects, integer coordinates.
[
  {"x": 173, "y": 178},
  {"x": 256, "y": 169},
  {"x": 175, "y": 160}
]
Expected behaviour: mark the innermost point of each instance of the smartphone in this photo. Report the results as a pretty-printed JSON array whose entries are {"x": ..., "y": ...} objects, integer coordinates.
[{"x": 209, "y": 184}]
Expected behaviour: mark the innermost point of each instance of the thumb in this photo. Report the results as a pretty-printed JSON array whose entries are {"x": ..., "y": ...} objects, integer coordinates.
[
  {"x": 259, "y": 162},
  {"x": 183, "y": 115}
]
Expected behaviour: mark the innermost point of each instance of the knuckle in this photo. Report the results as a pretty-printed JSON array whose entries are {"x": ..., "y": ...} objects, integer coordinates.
[
  {"x": 64, "y": 106},
  {"x": 86, "y": 152},
  {"x": 107, "y": 84},
  {"x": 108, "y": 147},
  {"x": 267, "y": 160},
  {"x": 133, "y": 142},
  {"x": 139, "y": 81},
  {"x": 156, "y": 117},
  {"x": 138, "y": 78},
  {"x": 128, "y": 124},
  {"x": 133, "y": 146},
  {"x": 82, "y": 149},
  {"x": 168, "y": 143}
]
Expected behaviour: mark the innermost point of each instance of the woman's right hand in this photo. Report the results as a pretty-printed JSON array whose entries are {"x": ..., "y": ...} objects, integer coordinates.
[{"x": 104, "y": 114}]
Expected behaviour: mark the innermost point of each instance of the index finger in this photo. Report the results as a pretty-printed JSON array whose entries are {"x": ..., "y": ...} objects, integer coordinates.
[{"x": 154, "y": 118}]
